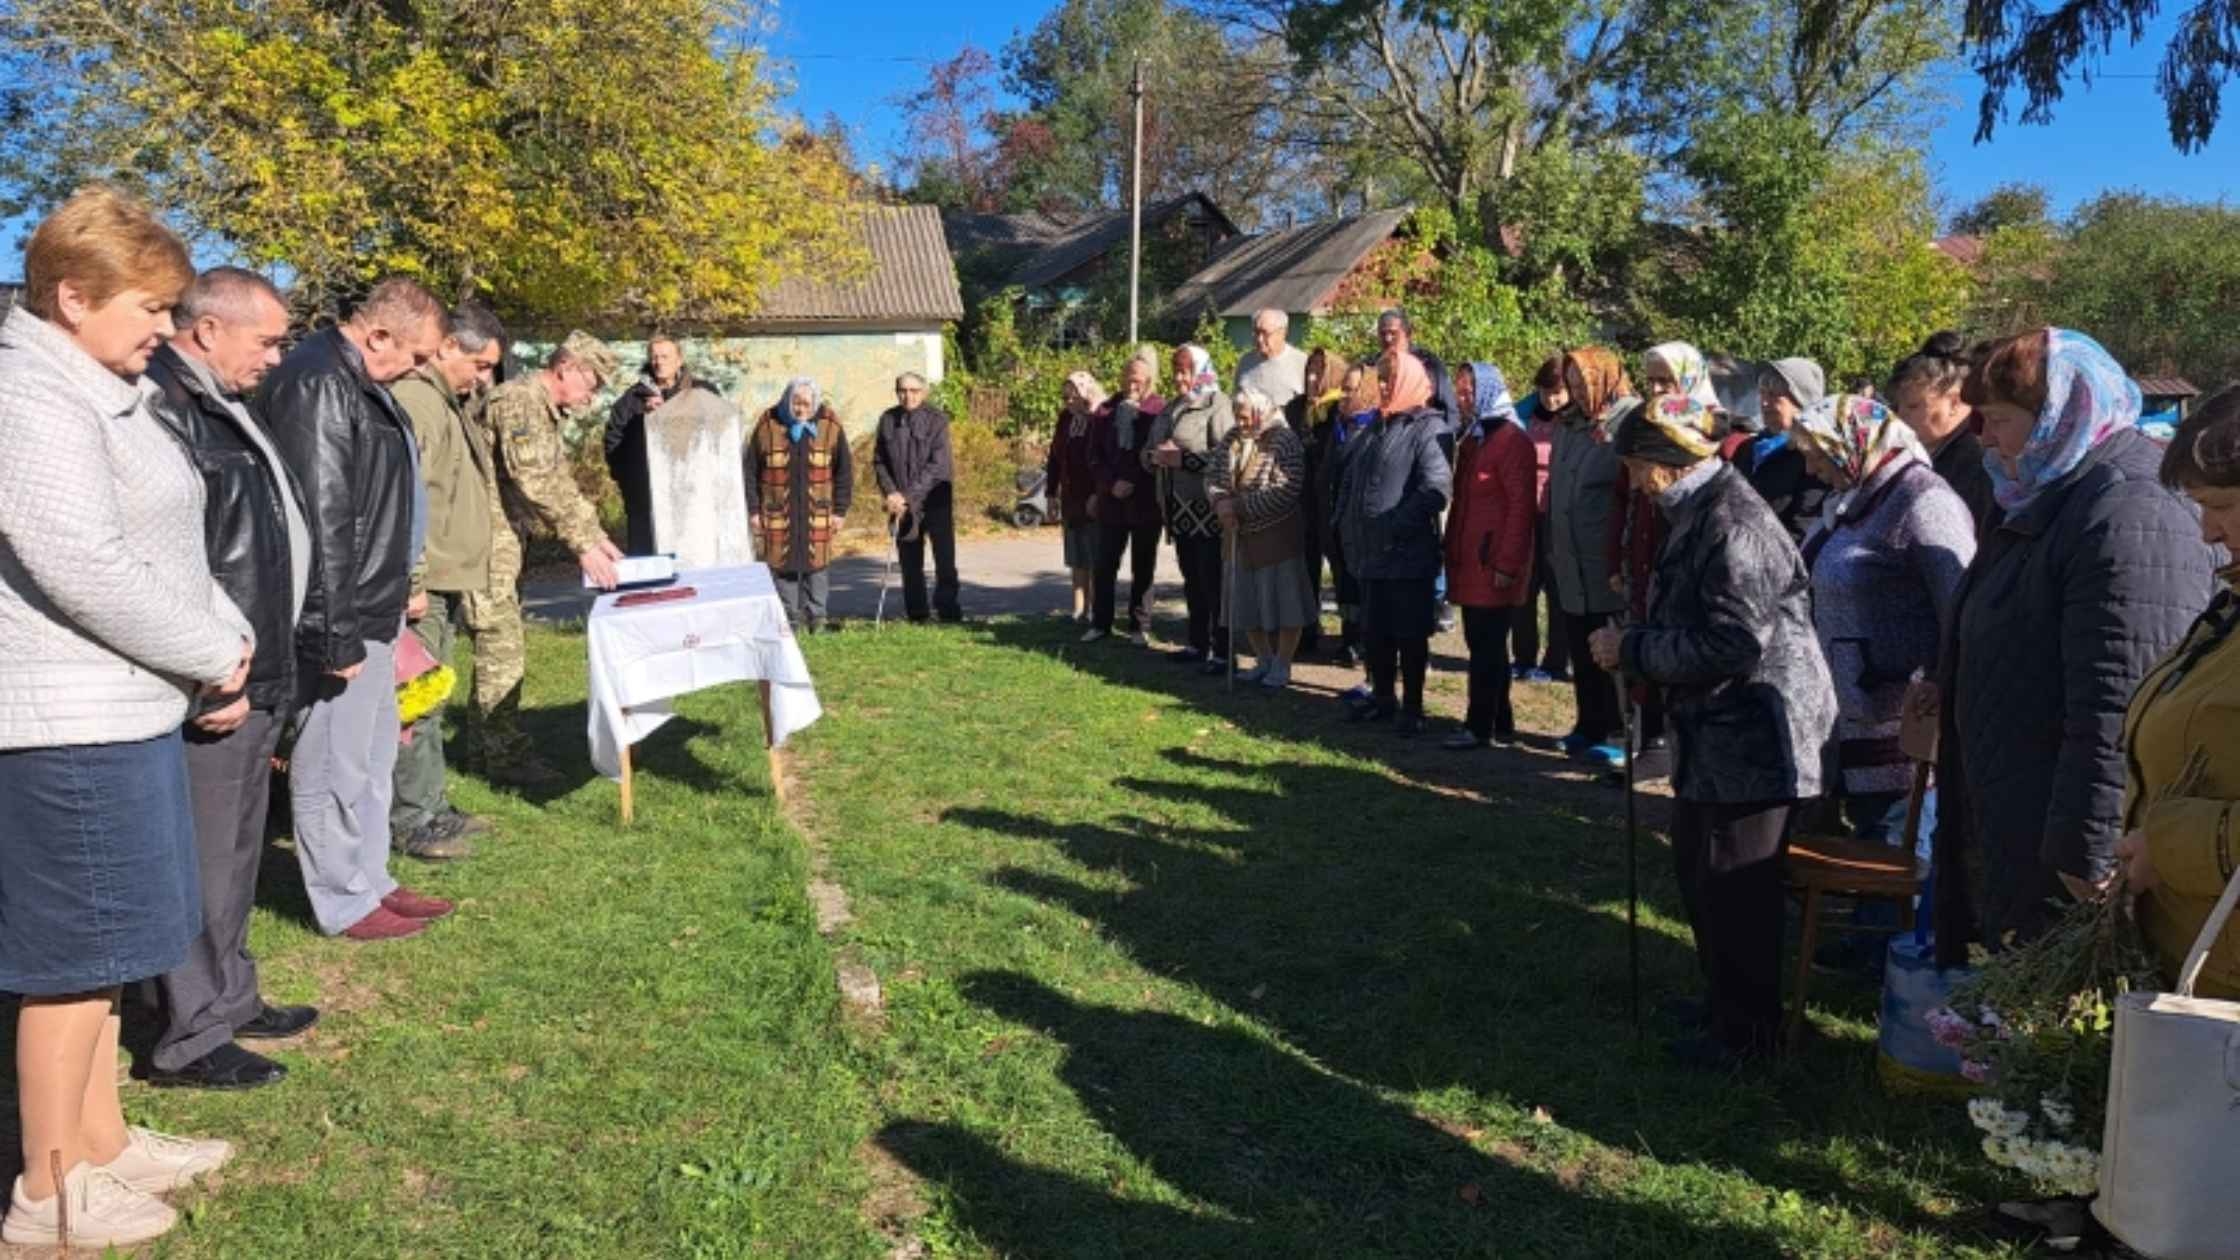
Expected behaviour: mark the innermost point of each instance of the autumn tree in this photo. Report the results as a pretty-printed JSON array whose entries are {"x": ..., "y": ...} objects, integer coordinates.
[
  {"x": 2007, "y": 206},
  {"x": 569, "y": 159}
]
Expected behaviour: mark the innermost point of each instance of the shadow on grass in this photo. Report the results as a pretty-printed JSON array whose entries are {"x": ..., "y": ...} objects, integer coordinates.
[
  {"x": 557, "y": 733},
  {"x": 1279, "y": 1159},
  {"x": 1449, "y": 926}
]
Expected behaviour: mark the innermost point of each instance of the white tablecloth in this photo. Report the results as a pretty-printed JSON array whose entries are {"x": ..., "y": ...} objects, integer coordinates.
[{"x": 733, "y": 630}]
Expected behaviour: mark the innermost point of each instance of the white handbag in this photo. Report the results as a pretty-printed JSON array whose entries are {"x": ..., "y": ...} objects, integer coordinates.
[{"x": 2170, "y": 1163}]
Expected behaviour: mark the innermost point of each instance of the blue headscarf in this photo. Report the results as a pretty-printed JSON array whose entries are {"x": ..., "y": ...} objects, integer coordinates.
[
  {"x": 797, "y": 429},
  {"x": 2089, "y": 399},
  {"x": 1492, "y": 394}
]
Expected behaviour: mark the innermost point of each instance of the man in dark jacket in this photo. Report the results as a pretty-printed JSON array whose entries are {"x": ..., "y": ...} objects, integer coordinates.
[
  {"x": 1728, "y": 635},
  {"x": 1127, "y": 502},
  {"x": 231, "y": 325},
  {"x": 349, "y": 445},
  {"x": 917, "y": 475},
  {"x": 665, "y": 377}
]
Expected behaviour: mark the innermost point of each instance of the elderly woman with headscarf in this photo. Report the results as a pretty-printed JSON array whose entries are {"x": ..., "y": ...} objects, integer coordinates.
[
  {"x": 1674, "y": 369},
  {"x": 2095, "y": 572},
  {"x": 1180, "y": 450},
  {"x": 801, "y": 480},
  {"x": 1582, "y": 492},
  {"x": 1489, "y": 546},
  {"x": 1070, "y": 478},
  {"x": 1257, "y": 485},
  {"x": 1728, "y": 636},
  {"x": 1771, "y": 461},
  {"x": 1886, "y": 557},
  {"x": 1388, "y": 513},
  {"x": 1127, "y": 503}
]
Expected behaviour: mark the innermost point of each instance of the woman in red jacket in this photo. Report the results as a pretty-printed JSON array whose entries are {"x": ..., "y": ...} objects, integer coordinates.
[{"x": 1489, "y": 546}]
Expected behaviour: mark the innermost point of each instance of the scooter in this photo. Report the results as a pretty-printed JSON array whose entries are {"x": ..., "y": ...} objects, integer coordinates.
[{"x": 1033, "y": 506}]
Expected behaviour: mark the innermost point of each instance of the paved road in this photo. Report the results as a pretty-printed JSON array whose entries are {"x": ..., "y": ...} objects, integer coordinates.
[{"x": 1022, "y": 575}]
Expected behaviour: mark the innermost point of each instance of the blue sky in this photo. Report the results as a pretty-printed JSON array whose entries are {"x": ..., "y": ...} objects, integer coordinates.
[{"x": 847, "y": 60}]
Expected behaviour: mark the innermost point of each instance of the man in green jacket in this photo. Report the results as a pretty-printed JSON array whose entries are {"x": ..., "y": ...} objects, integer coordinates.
[{"x": 460, "y": 482}]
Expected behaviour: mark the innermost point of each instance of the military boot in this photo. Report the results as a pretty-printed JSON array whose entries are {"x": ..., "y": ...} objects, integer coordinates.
[{"x": 504, "y": 755}]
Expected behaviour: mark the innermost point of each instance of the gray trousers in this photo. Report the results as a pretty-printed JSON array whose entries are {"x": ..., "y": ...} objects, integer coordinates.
[
  {"x": 229, "y": 781},
  {"x": 420, "y": 768},
  {"x": 805, "y": 596},
  {"x": 340, "y": 778}
]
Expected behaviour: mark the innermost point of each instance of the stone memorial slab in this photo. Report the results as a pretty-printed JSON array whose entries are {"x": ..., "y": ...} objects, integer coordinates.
[{"x": 694, "y": 447}]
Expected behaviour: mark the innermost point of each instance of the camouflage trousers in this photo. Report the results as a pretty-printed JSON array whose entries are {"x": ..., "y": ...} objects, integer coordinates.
[{"x": 493, "y": 617}]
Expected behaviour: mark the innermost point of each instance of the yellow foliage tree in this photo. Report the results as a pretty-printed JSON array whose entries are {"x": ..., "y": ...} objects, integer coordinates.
[{"x": 570, "y": 160}]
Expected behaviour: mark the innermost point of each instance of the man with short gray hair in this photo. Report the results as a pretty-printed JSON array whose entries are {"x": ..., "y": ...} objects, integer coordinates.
[
  {"x": 231, "y": 327},
  {"x": 917, "y": 474},
  {"x": 1275, "y": 368}
]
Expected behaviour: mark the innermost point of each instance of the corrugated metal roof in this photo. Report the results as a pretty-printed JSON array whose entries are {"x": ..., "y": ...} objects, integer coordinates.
[
  {"x": 2166, "y": 387},
  {"x": 1097, "y": 235},
  {"x": 912, "y": 280},
  {"x": 1296, "y": 271}
]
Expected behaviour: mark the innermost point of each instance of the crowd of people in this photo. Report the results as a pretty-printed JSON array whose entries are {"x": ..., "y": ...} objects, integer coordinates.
[
  {"x": 223, "y": 552},
  {"x": 1762, "y": 594}
]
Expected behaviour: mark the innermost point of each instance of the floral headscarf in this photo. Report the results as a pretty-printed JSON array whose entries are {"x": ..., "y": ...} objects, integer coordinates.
[
  {"x": 1407, "y": 386},
  {"x": 2089, "y": 399},
  {"x": 1203, "y": 380},
  {"x": 1685, "y": 362},
  {"x": 1605, "y": 378},
  {"x": 1491, "y": 390},
  {"x": 1859, "y": 436},
  {"x": 1687, "y": 427},
  {"x": 807, "y": 389}
]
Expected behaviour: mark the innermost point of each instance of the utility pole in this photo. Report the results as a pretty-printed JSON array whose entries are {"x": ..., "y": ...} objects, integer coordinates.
[{"x": 1135, "y": 208}]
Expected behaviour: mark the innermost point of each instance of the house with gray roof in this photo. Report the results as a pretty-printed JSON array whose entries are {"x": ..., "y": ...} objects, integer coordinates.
[{"x": 1306, "y": 272}]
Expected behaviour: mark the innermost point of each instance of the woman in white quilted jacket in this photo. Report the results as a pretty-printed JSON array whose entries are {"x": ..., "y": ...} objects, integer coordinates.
[{"x": 109, "y": 623}]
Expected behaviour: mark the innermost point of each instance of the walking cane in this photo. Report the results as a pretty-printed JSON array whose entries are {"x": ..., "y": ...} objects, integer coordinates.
[
  {"x": 886, "y": 577},
  {"x": 1229, "y": 608},
  {"x": 1631, "y": 718}
]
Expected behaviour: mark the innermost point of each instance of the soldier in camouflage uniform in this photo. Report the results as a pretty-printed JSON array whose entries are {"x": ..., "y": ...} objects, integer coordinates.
[{"x": 538, "y": 489}]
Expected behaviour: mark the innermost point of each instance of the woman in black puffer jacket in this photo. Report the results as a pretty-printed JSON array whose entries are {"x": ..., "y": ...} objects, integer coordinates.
[
  {"x": 2094, "y": 573},
  {"x": 1395, "y": 486}
]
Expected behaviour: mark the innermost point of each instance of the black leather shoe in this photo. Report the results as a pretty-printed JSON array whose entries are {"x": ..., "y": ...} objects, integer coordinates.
[
  {"x": 275, "y": 1022},
  {"x": 227, "y": 1067}
]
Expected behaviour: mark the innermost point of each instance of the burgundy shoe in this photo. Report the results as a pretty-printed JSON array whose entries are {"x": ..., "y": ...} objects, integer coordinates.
[
  {"x": 414, "y": 905},
  {"x": 383, "y": 924}
]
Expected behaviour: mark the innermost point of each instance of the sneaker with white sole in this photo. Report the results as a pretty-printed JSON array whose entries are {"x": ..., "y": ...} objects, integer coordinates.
[
  {"x": 158, "y": 1163},
  {"x": 104, "y": 1212},
  {"x": 1140, "y": 639},
  {"x": 1092, "y": 635}
]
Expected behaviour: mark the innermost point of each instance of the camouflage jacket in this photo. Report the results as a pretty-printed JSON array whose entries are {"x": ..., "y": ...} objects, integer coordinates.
[{"x": 534, "y": 471}]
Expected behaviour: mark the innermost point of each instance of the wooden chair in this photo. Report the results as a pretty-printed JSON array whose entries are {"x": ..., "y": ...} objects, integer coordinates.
[{"x": 1817, "y": 867}]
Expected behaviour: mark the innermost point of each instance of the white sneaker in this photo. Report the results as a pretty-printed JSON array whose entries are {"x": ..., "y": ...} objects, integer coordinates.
[
  {"x": 1092, "y": 635},
  {"x": 158, "y": 1163},
  {"x": 104, "y": 1212}
]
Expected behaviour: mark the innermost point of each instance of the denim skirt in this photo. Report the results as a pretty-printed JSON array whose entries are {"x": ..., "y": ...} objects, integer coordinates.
[{"x": 98, "y": 880}]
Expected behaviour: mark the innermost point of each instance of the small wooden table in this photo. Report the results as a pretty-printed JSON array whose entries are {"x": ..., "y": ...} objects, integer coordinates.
[{"x": 643, "y": 656}]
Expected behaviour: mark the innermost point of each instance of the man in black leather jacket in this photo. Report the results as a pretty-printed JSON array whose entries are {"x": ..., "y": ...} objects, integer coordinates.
[
  {"x": 348, "y": 443},
  {"x": 231, "y": 325}
]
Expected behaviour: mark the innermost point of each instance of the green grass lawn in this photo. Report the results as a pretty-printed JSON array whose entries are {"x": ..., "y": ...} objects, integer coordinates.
[{"x": 1165, "y": 973}]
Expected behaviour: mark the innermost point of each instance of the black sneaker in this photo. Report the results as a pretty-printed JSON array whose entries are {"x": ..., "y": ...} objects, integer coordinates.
[
  {"x": 227, "y": 1067},
  {"x": 1504, "y": 739}
]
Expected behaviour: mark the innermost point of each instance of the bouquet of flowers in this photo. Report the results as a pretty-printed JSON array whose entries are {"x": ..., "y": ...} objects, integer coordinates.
[{"x": 2036, "y": 1026}]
